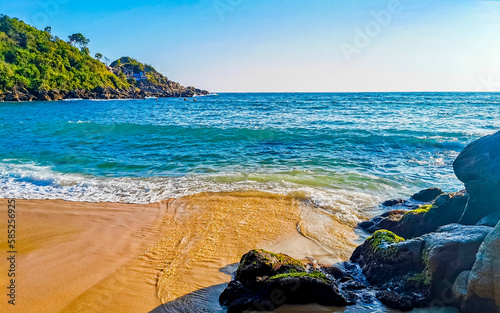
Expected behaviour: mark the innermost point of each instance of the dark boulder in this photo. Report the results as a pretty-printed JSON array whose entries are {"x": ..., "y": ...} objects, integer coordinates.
[
  {"x": 238, "y": 298},
  {"x": 395, "y": 300},
  {"x": 265, "y": 280},
  {"x": 427, "y": 195},
  {"x": 385, "y": 255},
  {"x": 449, "y": 251},
  {"x": 261, "y": 263},
  {"x": 393, "y": 202},
  {"x": 303, "y": 288},
  {"x": 387, "y": 221},
  {"x": 446, "y": 209},
  {"x": 478, "y": 167}
]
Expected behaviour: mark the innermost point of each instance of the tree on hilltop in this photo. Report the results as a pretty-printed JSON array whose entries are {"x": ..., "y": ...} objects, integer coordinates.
[{"x": 79, "y": 39}]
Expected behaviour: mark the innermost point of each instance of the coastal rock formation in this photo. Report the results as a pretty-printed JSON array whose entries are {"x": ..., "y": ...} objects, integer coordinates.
[
  {"x": 385, "y": 255},
  {"x": 478, "y": 167},
  {"x": 446, "y": 209},
  {"x": 265, "y": 280},
  {"x": 449, "y": 251},
  {"x": 410, "y": 273},
  {"x": 483, "y": 289},
  {"x": 261, "y": 263}
]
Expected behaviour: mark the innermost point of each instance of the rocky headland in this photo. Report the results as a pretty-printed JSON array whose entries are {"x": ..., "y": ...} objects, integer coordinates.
[
  {"x": 36, "y": 65},
  {"x": 102, "y": 93},
  {"x": 435, "y": 249}
]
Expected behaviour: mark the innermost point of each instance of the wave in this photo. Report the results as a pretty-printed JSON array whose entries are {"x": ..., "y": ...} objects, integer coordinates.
[{"x": 349, "y": 196}]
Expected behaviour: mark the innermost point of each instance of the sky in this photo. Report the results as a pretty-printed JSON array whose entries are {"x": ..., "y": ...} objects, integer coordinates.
[{"x": 290, "y": 45}]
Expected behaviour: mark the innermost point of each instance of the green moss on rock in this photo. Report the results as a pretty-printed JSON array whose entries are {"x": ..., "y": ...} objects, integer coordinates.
[
  {"x": 383, "y": 237},
  {"x": 277, "y": 260},
  {"x": 420, "y": 211},
  {"x": 420, "y": 278},
  {"x": 262, "y": 263},
  {"x": 315, "y": 275}
]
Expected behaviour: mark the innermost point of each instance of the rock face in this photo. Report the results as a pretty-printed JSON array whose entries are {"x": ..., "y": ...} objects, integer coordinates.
[
  {"x": 478, "y": 167},
  {"x": 176, "y": 90},
  {"x": 450, "y": 251},
  {"x": 483, "y": 289}
]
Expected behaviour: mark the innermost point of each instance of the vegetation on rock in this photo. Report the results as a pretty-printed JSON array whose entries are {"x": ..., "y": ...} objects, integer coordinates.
[
  {"x": 35, "y": 60},
  {"x": 315, "y": 274},
  {"x": 381, "y": 238}
]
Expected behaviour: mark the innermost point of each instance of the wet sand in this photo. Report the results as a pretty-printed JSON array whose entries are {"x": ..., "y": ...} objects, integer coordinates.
[{"x": 108, "y": 257}]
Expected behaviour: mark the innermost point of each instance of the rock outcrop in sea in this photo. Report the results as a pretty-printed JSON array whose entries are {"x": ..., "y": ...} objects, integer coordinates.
[{"x": 435, "y": 249}]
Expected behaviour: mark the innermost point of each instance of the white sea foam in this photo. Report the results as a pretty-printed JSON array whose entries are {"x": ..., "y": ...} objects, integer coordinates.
[{"x": 31, "y": 181}]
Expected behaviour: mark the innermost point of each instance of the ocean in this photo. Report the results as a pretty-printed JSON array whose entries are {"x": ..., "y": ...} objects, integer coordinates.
[{"x": 344, "y": 151}]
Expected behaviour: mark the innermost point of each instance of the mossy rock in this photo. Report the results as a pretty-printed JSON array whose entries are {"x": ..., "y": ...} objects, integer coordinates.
[
  {"x": 422, "y": 278},
  {"x": 380, "y": 239},
  {"x": 446, "y": 209},
  {"x": 304, "y": 288},
  {"x": 261, "y": 263},
  {"x": 293, "y": 274},
  {"x": 268, "y": 280},
  {"x": 385, "y": 255},
  {"x": 420, "y": 212}
]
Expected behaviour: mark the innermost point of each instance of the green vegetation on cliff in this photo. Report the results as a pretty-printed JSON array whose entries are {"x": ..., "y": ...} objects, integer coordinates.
[
  {"x": 35, "y": 60},
  {"x": 125, "y": 64}
]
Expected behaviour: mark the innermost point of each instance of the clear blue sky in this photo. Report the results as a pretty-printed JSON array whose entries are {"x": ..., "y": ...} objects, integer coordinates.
[{"x": 292, "y": 45}]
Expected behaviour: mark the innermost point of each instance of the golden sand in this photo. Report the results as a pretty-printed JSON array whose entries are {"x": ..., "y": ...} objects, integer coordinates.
[{"x": 108, "y": 257}]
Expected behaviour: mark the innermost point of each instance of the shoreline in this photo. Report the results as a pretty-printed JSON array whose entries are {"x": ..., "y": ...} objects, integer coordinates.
[{"x": 95, "y": 257}]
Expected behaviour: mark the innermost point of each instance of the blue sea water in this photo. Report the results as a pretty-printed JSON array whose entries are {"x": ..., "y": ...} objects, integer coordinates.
[{"x": 346, "y": 151}]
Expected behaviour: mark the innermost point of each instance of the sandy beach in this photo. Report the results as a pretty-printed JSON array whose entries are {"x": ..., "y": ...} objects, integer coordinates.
[{"x": 109, "y": 257}]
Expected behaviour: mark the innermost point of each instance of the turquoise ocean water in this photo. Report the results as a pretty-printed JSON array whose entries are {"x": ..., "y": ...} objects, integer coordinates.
[{"x": 345, "y": 151}]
